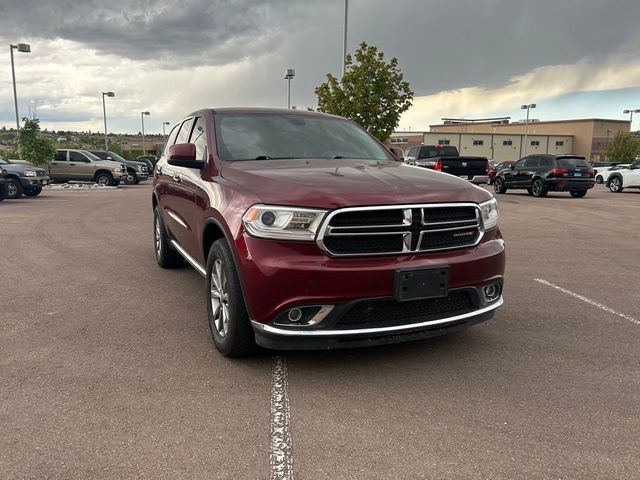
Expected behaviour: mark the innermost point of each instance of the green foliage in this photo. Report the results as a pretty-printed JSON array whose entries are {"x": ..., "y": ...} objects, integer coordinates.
[
  {"x": 34, "y": 146},
  {"x": 623, "y": 148},
  {"x": 372, "y": 92}
]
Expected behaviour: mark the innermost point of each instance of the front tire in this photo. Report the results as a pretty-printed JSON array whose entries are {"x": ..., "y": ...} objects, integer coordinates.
[
  {"x": 498, "y": 186},
  {"x": 615, "y": 184},
  {"x": 33, "y": 192},
  {"x": 13, "y": 188},
  {"x": 538, "y": 189},
  {"x": 131, "y": 179},
  {"x": 166, "y": 256},
  {"x": 104, "y": 179},
  {"x": 226, "y": 311},
  {"x": 578, "y": 193}
]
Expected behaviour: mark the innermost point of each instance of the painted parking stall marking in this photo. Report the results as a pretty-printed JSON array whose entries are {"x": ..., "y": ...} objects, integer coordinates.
[
  {"x": 280, "y": 455},
  {"x": 589, "y": 301}
]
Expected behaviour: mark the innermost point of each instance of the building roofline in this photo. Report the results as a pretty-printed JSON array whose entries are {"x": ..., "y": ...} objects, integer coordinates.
[{"x": 498, "y": 124}]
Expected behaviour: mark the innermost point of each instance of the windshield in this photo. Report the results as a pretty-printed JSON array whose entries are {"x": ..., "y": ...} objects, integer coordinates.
[
  {"x": 250, "y": 136},
  {"x": 117, "y": 157},
  {"x": 572, "y": 162},
  {"x": 4, "y": 161}
]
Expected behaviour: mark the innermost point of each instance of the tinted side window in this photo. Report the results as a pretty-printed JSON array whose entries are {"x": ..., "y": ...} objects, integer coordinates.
[
  {"x": 412, "y": 152},
  {"x": 185, "y": 130},
  {"x": 546, "y": 162},
  {"x": 199, "y": 137},
  {"x": 532, "y": 162},
  {"x": 519, "y": 163},
  {"x": 60, "y": 156},
  {"x": 77, "y": 157}
]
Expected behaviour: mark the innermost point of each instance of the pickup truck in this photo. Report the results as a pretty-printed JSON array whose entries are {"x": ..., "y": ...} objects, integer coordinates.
[
  {"x": 310, "y": 234},
  {"x": 136, "y": 171},
  {"x": 82, "y": 165},
  {"x": 447, "y": 159},
  {"x": 23, "y": 179}
]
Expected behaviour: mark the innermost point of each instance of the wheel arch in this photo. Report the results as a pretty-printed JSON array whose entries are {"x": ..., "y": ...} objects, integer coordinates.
[
  {"x": 615, "y": 175},
  {"x": 102, "y": 170}
]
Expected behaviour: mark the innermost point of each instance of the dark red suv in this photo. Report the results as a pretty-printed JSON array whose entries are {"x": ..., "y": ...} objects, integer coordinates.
[{"x": 311, "y": 234}]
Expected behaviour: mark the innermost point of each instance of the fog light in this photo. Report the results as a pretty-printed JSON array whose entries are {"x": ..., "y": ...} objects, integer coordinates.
[
  {"x": 491, "y": 292},
  {"x": 295, "y": 314}
]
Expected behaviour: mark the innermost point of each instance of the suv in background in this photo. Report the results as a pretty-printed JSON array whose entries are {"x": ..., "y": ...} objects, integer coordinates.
[
  {"x": 3, "y": 184},
  {"x": 540, "y": 174},
  {"x": 82, "y": 165},
  {"x": 311, "y": 234},
  {"x": 23, "y": 179},
  {"x": 136, "y": 171},
  {"x": 628, "y": 177}
]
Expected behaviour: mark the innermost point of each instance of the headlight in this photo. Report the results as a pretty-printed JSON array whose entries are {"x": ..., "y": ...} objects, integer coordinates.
[
  {"x": 489, "y": 211},
  {"x": 284, "y": 223},
  {"x": 139, "y": 168},
  {"x": 29, "y": 173}
]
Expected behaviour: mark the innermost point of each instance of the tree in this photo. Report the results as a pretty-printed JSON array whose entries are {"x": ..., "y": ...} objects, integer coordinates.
[
  {"x": 34, "y": 146},
  {"x": 623, "y": 149},
  {"x": 372, "y": 92}
]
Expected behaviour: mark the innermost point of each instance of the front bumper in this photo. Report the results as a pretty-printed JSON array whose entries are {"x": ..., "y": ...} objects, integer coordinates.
[
  {"x": 31, "y": 182},
  {"x": 278, "y": 276}
]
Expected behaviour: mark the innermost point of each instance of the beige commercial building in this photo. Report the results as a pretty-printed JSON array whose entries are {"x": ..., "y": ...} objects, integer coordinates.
[{"x": 505, "y": 140}]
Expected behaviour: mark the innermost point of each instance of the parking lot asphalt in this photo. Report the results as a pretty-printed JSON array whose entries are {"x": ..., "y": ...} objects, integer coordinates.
[{"x": 108, "y": 371}]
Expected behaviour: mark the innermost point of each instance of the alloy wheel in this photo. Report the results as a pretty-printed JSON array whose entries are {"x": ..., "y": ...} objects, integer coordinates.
[
  {"x": 614, "y": 184},
  {"x": 219, "y": 298},
  {"x": 12, "y": 190},
  {"x": 157, "y": 237},
  {"x": 536, "y": 188},
  {"x": 103, "y": 180}
]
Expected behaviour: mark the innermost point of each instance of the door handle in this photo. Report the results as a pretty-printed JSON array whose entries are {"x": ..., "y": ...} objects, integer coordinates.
[{"x": 176, "y": 177}]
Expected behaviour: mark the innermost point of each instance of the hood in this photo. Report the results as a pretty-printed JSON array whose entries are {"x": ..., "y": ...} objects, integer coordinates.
[
  {"x": 327, "y": 183},
  {"x": 19, "y": 168}
]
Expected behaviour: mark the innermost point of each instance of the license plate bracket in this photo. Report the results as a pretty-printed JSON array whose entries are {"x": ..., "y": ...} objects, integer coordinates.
[{"x": 421, "y": 283}]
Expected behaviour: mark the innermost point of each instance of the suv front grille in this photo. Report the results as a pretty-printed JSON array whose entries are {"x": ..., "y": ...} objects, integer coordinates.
[
  {"x": 388, "y": 312},
  {"x": 400, "y": 229}
]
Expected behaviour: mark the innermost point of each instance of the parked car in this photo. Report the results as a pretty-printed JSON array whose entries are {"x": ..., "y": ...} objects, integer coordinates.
[
  {"x": 540, "y": 174},
  {"x": 136, "y": 171},
  {"x": 148, "y": 159},
  {"x": 310, "y": 234},
  {"x": 150, "y": 165},
  {"x": 602, "y": 173},
  {"x": 447, "y": 159},
  {"x": 491, "y": 174},
  {"x": 69, "y": 164},
  {"x": 3, "y": 184},
  {"x": 624, "y": 178},
  {"x": 23, "y": 179}
]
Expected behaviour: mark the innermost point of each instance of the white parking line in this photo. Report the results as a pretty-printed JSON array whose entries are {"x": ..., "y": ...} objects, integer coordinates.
[
  {"x": 280, "y": 456},
  {"x": 589, "y": 301}
]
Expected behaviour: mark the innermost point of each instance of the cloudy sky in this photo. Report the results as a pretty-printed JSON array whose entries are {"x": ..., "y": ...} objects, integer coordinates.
[{"x": 468, "y": 58}]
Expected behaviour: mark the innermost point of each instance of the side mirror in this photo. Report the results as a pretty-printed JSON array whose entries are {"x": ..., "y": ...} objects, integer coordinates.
[
  {"x": 398, "y": 153},
  {"x": 184, "y": 155},
  {"x": 512, "y": 166}
]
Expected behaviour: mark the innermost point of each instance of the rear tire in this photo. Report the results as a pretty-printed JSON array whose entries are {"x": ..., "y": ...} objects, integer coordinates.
[
  {"x": 13, "y": 188},
  {"x": 166, "y": 256},
  {"x": 498, "y": 186},
  {"x": 229, "y": 323},
  {"x": 599, "y": 179},
  {"x": 578, "y": 193},
  {"x": 538, "y": 189},
  {"x": 615, "y": 184},
  {"x": 33, "y": 192}
]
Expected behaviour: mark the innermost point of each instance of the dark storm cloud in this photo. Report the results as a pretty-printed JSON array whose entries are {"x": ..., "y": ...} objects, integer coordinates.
[{"x": 441, "y": 44}]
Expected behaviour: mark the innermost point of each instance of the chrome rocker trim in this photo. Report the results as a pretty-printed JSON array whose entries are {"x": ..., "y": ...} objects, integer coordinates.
[{"x": 192, "y": 261}]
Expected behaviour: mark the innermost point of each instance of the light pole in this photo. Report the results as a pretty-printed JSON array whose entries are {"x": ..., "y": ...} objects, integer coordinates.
[
  {"x": 344, "y": 38},
  {"x": 24, "y": 48},
  {"x": 164, "y": 135},
  {"x": 104, "y": 113},
  {"x": 288, "y": 75},
  {"x": 631, "y": 112},
  {"x": 526, "y": 127},
  {"x": 142, "y": 114}
]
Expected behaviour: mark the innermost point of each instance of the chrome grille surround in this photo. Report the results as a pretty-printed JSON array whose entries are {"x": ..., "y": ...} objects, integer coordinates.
[{"x": 411, "y": 229}]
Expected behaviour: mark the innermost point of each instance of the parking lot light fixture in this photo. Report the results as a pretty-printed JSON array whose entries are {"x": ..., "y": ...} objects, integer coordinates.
[
  {"x": 288, "y": 75},
  {"x": 631, "y": 111},
  {"x": 142, "y": 114},
  {"x": 164, "y": 134},
  {"x": 104, "y": 113},
  {"x": 526, "y": 125},
  {"x": 23, "y": 48}
]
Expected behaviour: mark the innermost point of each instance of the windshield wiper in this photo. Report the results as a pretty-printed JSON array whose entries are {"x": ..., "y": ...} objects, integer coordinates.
[{"x": 267, "y": 157}]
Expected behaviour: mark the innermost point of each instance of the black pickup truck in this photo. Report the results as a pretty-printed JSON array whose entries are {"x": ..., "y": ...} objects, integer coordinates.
[{"x": 447, "y": 159}]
